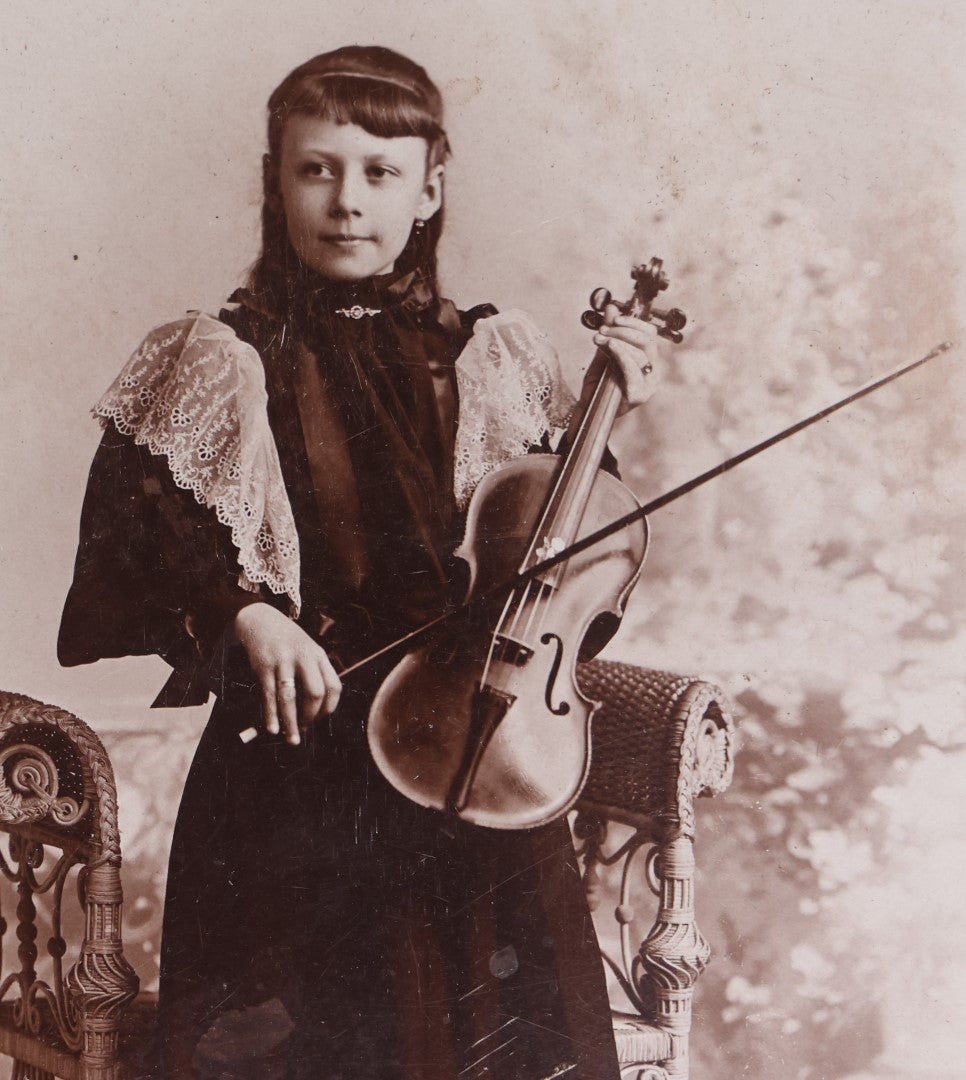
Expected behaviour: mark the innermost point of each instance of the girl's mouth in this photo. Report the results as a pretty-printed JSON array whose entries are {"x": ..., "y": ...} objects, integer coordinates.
[{"x": 344, "y": 240}]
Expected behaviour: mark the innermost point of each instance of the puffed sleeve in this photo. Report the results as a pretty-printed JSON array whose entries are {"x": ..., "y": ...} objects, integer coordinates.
[
  {"x": 155, "y": 572},
  {"x": 185, "y": 514}
]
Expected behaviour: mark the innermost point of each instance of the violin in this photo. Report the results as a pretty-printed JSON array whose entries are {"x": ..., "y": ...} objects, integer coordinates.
[{"x": 485, "y": 720}]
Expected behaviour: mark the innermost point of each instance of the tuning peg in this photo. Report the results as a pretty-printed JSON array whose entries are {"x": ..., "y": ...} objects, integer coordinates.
[
  {"x": 649, "y": 279},
  {"x": 599, "y": 299},
  {"x": 674, "y": 321}
]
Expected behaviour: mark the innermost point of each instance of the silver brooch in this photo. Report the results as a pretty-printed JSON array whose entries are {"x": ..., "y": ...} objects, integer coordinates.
[{"x": 357, "y": 311}]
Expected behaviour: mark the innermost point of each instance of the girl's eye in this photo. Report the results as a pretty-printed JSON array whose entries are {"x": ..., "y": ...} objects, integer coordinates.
[
  {"x": 380, "y": 172},
  {"x": 316, "y": 168}
]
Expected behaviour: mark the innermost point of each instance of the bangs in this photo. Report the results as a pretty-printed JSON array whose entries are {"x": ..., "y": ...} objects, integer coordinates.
[
  {"x": 384, "y": 93},
  {"x": 382, "y": 108}
]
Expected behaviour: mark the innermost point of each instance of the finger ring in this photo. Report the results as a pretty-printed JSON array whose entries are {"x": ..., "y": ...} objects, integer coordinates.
[
  {"x": 285, "y": 682},
  {"x": 647, "y": 368}
]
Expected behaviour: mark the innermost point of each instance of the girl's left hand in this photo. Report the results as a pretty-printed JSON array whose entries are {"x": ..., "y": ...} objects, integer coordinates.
[{"x": 634, "y": 345}]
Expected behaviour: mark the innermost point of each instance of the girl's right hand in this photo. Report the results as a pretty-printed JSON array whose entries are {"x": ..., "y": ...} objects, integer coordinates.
[{"x": 296, "y": 677}]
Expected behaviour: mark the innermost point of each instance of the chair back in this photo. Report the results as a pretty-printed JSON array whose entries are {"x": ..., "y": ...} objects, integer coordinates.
[{"x": 59, "y": 1009}]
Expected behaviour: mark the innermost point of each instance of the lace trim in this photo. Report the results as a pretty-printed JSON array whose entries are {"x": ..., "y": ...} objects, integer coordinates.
[
  {"x": 196, "y": 394},
  {"x": 511, "y": 393}
]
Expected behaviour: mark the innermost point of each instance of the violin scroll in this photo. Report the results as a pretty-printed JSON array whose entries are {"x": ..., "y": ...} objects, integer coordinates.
[{"x": 649, "y": 279}]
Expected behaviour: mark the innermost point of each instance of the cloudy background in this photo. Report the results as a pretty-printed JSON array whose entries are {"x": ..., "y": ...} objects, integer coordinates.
[{"x": 798, "y": 167}]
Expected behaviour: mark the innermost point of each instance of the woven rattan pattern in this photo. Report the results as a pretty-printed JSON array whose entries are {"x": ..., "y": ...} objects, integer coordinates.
[
  {"x": 658, "y": 741},
  {"x": 59, "y": 805},
  {"x": 21, "y": 715}
]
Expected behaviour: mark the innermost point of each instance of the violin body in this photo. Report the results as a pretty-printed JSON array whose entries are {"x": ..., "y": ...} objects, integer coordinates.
[
  {"x": 489, "y": 724},
  {"x": 485, "y": 721}
]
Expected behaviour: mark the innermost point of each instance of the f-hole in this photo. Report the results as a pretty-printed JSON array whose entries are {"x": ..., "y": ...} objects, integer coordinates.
[{"x": 564, "y": 707}]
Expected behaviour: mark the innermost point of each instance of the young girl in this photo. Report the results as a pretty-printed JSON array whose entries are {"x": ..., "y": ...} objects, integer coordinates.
[{"x": 324, "y": 434}]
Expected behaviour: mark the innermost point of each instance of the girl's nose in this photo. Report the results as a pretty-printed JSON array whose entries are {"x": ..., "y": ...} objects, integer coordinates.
[{"x": 347, "y": 200}]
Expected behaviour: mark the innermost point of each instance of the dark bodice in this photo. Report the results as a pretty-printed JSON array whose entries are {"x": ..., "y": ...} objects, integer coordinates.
[
  {"x": 300, "y": 883},
  {"x": 363, "y": 412}
]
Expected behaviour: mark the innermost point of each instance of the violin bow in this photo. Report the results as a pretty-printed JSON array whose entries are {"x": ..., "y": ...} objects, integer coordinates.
[{"x": 658, "y": 503}]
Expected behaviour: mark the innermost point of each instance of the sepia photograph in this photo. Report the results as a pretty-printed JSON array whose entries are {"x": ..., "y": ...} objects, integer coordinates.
[{"x": 483, "y": 564}]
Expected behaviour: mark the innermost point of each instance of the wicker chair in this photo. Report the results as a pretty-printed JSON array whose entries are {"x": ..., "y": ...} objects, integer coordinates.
[
  {"x": 659, "y": 741},
  {"x": 58, "y": 807}
]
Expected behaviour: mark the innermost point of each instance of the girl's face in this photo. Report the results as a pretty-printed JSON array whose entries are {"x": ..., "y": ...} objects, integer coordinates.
[{"x": 350, "y": 198}]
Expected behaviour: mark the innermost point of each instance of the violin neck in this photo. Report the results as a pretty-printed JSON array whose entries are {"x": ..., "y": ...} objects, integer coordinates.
[{"x": 588, "y": 443}]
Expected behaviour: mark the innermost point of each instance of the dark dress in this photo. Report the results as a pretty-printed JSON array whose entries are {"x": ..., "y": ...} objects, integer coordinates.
[{"x": 317, "y": 924}]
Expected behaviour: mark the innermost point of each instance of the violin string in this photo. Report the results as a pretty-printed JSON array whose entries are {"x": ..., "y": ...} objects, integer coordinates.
[
  {"x": 557, "y": 573},
  {"x": 542, "y": 526},
  {"x": 512, "y": 629},
  {"x": 539, "y": 603},
  {"x": 591, "y": 539},
  {"x": 489, "y": 654},
  {"x": 540, "y": 607},
  {"x": 509, "y": 626}
]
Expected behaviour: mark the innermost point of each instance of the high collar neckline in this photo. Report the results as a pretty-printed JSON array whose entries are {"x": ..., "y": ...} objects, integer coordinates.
[
  {"x": 322, "y": 298},
  {"x": 381, "y": 290}
]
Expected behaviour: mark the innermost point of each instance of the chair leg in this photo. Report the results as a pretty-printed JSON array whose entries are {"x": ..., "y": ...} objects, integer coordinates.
[
  {"x": 102, "y": 982},
  {"x": 675, "y": 952}
]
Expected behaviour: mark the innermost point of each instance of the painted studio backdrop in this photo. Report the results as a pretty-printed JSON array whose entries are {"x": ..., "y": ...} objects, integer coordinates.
[{"x": 794, "y": 165}]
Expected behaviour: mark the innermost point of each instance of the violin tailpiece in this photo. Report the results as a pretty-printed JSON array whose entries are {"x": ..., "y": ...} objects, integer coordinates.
[{"x": 488, "y": 709}]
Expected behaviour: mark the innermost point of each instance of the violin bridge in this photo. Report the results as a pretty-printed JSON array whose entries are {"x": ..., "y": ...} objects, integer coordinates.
[{"x": 510, "y": 650}]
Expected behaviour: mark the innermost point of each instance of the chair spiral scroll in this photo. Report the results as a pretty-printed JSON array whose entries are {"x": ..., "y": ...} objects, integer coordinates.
[
  {"x": 659, "y": 741},
  {"x": 58, "y": 807}
]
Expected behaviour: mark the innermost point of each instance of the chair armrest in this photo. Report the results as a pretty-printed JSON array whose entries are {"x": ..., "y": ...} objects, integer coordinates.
[
  {"x": 658, "y": 741},
  {"x": 58, "y": 803}
]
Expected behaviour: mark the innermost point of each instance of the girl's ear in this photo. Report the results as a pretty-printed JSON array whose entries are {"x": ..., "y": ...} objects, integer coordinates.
[
  {"x": 432, "y": 197},
  {"x": 270, "y": 185}
]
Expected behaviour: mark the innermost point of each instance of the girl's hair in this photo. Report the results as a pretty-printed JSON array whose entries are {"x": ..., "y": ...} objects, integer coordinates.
[{"x": 384, "y": 93}]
